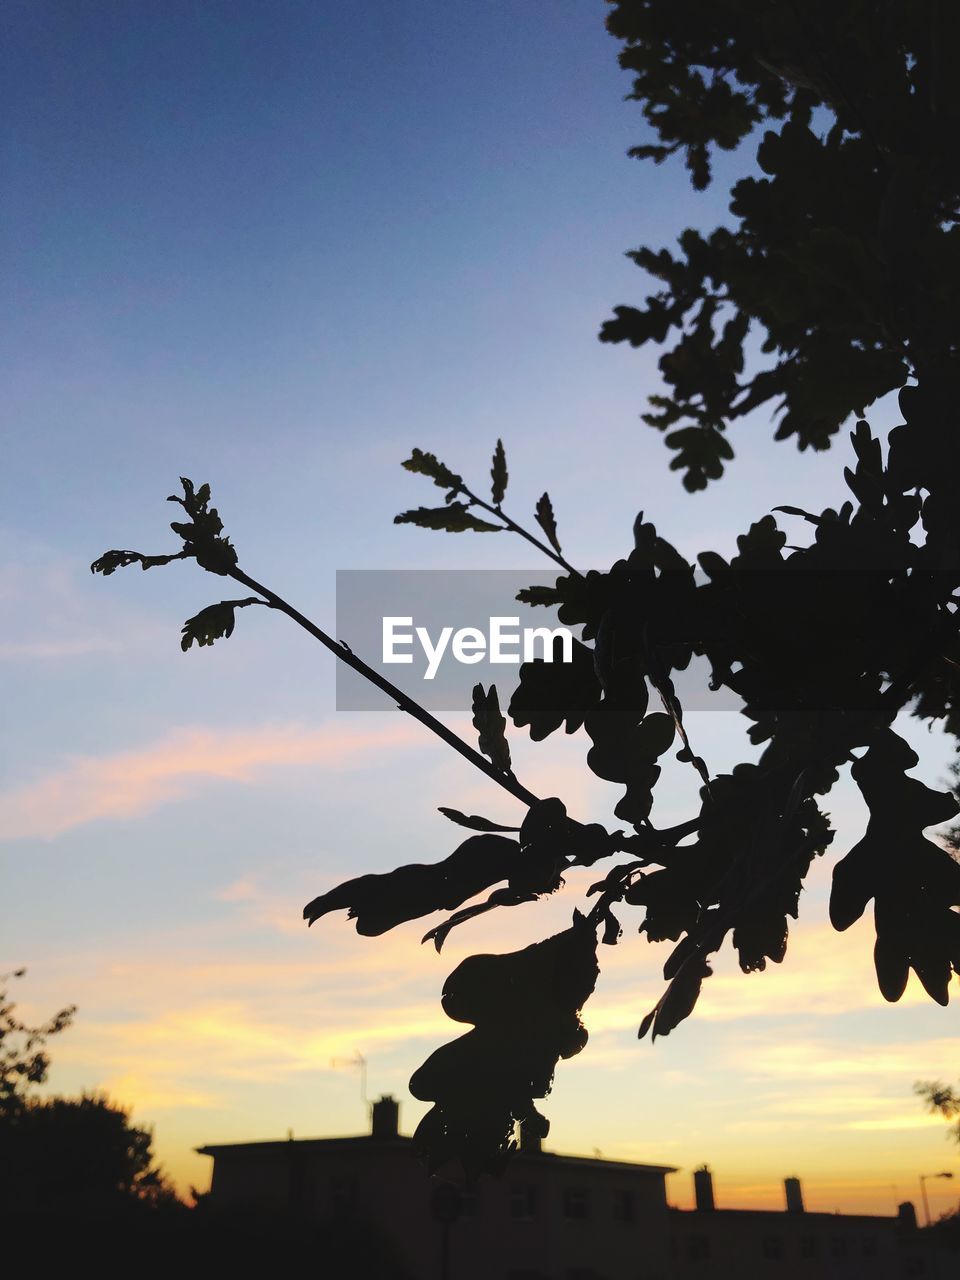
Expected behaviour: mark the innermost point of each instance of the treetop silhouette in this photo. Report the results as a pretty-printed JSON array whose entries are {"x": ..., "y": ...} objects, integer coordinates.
[
  {"x": 24, "y": 1061},
  {"x": 844, "y": 266},
  {"x": 843, "y": 258},
  {"x": 64, "y": 1155}
]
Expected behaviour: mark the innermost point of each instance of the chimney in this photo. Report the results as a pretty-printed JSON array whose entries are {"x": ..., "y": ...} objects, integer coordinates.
[
  {"x": 794, "y": 1193},
  {"x": 385, "y": 1117},
  {"x": 907, "y": 1216},
  {"x": 703, "y": 1189}
]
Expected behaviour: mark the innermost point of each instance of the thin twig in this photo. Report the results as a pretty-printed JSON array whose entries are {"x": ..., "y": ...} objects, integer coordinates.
[
  {"x": 506, "y": 780},
  {"x": 524, "y": 533}
]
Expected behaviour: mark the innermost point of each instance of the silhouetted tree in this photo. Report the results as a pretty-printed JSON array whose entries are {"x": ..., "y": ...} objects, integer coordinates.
[
  {"x": 78, "y": 1156},
  {"x": 942, "y": 1100},
  {"x": 842, "y": 260},
  {"x": 61, "y": 1156},
  {"x": 24, "y": 1062},
  {"x": 837, "y": 282}
]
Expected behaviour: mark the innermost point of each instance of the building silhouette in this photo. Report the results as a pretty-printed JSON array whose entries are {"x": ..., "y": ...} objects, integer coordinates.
[{"x": 557, "y": 1217}]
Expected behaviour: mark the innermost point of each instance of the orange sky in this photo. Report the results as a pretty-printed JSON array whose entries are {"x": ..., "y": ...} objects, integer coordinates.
[{"x": 224, "y": 1027}]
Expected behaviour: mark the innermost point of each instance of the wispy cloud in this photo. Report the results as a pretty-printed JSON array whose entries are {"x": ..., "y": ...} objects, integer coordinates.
[
  {"x": 197, "y": 1031},
  {"x": 243, "y": 890},
  {"x": 72, "y": 648},
  {"x": 818, "y": 1058},
  {"x": 128, "y": 783},
  {"x": 52, "y": 615},
  {"x": 152, "y": 1096},
  {"x": 905, "y": 1120}
]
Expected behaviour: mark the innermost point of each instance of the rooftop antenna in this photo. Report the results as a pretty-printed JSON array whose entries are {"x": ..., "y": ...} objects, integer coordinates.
[{"x": 358, "y": 1060}]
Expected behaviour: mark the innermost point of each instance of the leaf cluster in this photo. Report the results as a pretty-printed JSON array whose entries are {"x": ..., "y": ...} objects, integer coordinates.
[
  {"x": 203, "y": 541},
  {"x": 524, "y": 1008},
  {"x": 843, "y": 262},
  {"x": 24, "y": 1061}
]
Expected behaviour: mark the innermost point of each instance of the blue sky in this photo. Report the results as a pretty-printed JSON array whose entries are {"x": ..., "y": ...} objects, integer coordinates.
[{"x": 274, "y": 247}]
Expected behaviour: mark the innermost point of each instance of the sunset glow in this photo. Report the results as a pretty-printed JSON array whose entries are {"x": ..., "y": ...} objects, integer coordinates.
[{"x": 274, "y": 253}]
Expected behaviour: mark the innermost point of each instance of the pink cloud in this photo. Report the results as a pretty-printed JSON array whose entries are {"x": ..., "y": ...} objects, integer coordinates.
[{"x": 129, "y": 783}]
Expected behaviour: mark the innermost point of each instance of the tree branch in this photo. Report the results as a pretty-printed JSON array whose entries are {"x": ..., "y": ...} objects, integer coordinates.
[
  {"x": 507, "y": 780},
  {"x": 516, "y": 528}
]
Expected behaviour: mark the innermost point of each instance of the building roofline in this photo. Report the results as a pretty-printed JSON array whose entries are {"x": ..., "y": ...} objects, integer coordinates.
[
  {"x": 284, "y": 1144},
  {"x": 597, "y": 1162},
  {"x": 400, "y": 1142},
  {"x": 780, "y": 1214}
]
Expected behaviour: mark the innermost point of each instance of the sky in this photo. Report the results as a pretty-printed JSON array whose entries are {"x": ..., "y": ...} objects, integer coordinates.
[{"x": 274, "y": 247}]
